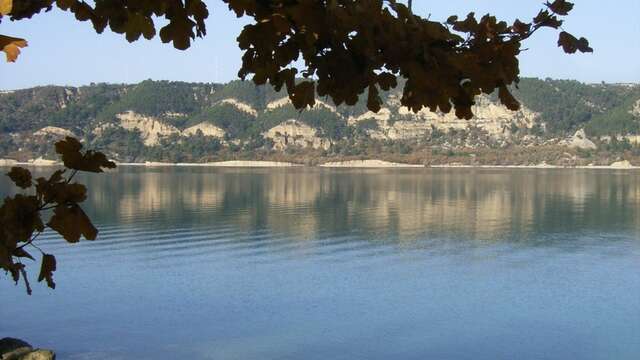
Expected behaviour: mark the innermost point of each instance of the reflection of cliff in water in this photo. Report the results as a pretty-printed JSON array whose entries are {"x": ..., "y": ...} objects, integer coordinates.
[{"x": 484, "y": 204}]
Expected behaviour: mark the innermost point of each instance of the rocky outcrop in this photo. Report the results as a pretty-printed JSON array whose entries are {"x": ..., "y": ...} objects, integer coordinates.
[
  {"x": 43, "y": 162},
  {"x": 53, "y": 131},
  {"x": 382, "y": 117},
  {"x": 624, "y": 164},
  {"x": 7, "y": 162},
  {"x": 579, "y": 141},
  {"x": 241, "y": 106},
  {"x": 100, "y": 129},
  {"x": 15, "y": 349},
  {"x": 243, "y": 163},
  {"x": 493, "y": 118},
  {"x": 635, "y": 110},
  {"x": 151, "y": 129},
  {"x": 286, "y": 101},
  {"x": 295, "y": 133},
  {"x": 206, "y": 128}
]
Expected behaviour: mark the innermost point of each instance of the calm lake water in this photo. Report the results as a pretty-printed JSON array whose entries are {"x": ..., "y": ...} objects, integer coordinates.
[{"x": 196, "y": 263}]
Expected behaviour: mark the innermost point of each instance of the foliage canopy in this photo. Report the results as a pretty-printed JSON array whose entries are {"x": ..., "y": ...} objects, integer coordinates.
[
  {"x": 21, "y": 215},
  {"x": 346, "y": 46}
]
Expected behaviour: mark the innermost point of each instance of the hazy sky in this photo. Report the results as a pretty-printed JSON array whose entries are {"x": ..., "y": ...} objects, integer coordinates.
[{"x": 63, "y": 51}]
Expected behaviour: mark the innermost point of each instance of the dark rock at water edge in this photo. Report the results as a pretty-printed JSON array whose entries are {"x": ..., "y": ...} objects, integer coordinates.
[{"x": 16, "y": 349}]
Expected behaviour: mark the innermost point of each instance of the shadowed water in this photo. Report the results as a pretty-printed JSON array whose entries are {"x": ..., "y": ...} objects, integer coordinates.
[{"x": 354, "y": 264}]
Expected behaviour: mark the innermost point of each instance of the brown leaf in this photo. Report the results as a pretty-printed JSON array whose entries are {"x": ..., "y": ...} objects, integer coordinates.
[
  {"x": 20, "y": 218},
  {"x": 46, "y": 270},
  {"x": 570, "y": 44},
  {"x": 5, "y": 7},
  {"x": 73, "y": 158},
  {"x": 11, "y": 46},
  {"x": 560, "y": 7},
  {"x": 20, "y": 176},
  {"x": 71, "y": 222}
]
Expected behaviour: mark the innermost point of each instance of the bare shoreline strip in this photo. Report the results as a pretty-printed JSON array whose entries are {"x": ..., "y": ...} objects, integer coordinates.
[
  {"x": 368, "y": 164},
  {"x": 353, "y": 164}
]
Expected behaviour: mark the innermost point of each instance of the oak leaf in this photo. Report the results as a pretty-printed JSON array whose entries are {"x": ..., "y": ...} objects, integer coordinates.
[
  {"x": 71, "y": 222},
  {"x": 47, "y": 268},
  {"x": 73, "y": 158},
  {"x": 20, "y": 176},
  {"x": 11, "y": 46},
  {"x": 560, "y": 7},
  {"x": 5, "y": 7}
]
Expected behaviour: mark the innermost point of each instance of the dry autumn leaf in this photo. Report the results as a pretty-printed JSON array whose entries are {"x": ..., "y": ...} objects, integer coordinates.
[
  {"x": 46, "y": 270},
  {"x": 6, "y": 6},
  {"x": 11, "y": 46}
]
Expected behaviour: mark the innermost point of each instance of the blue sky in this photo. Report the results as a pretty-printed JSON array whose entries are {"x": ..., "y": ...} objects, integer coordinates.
[{"x": 63, "y": 51}]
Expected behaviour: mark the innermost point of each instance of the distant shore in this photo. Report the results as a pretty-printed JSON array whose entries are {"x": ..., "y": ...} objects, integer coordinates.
[{"x": 353, "y": 164}]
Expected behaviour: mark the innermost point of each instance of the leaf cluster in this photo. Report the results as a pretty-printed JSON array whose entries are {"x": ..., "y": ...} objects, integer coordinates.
[
  {"x": 21, "y": 216},
  {"x": 350, "y": 47},
  {"x": 347, "y": 46}
]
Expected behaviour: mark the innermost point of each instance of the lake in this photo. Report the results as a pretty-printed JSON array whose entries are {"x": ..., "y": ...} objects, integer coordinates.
[{"x": 306, "y": 263}]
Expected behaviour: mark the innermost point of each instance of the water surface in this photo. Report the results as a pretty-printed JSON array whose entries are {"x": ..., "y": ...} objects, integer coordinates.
[{"x": 344, "y": 264}]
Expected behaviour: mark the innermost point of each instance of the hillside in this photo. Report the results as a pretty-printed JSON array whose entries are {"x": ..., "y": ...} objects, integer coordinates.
[{"x": 176, "y": 121}]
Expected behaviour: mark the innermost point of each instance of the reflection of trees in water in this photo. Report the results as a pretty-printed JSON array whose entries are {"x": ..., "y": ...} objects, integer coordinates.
[{"x": 302, "y": 202}]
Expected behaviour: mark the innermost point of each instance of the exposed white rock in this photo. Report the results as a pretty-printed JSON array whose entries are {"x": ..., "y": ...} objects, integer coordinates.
[
  {"x": 579, "y": 141},
  {"x": 206, "y": 128},
  {"x": 53, "y": 130},
  {"x": 151, "y": 129},
  {"x": 495, "y": 119},
  {"x": 624, "y": 164},
  {"x": 286, "y": 101},
  {"x": 157, "y": 163},
  {"x": 7, "y": 162},
  {"x": 100, "y": 129},
  {"x": 636, "y": 109},
  {"x": 295, "y": 133},
  {"x": 42, "y": 162},
  {"x": 278, "y": 103},
  {"x": 243, "y": 163},
  {"x": 241, "y": 106},
  {"x": 408, "y": 130},
  {"x": 381, "y": 116},
  {"x": 368, "y": 164},
  {"x": 170, "y": 114}
]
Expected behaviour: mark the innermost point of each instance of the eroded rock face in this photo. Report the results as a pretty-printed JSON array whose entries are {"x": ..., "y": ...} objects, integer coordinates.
[
  {"x": 495, "y": 119},
  {"x": 286, "y": 101},
  {"x": 241, "y": 106},
  {"x": 39, "y": 354},
  {"x": 206, "y": 128},
  {"x": 624, "y": 164},
  {"x": 295, "y": 133},
  {"x": 53, "y": 131},
  {"x": 151, "y": 129},
  {"x": 579, "y": 141},
  {"x": 635, "y": 111}
]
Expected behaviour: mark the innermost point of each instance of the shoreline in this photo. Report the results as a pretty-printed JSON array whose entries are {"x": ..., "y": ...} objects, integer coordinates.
[{"x": 351, "y": 164}]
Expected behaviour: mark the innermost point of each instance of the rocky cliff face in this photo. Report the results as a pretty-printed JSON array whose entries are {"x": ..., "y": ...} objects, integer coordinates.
[
  {"x": 294, "y": 133},
  {"x": 635, "y": 111},
  {"x": 102, "y": 114},
  {"x": 493, "y": 118},
  {"x": 206, "y": 129},
  {"x": 151, "y": 129}
]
